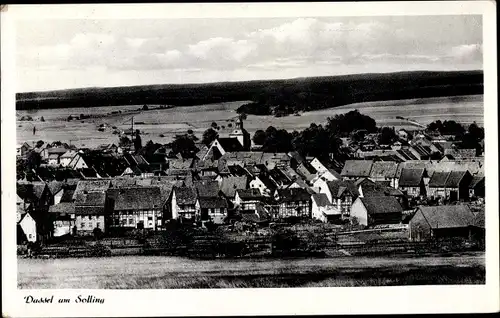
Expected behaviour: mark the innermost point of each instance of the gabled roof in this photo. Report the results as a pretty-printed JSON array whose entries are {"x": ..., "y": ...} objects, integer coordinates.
[
  {"x": 370, "y": 189},
  {"x": 279, "y": 176},
  {"x": 339, "y": 188},
  {"x": 411, "y": 177},
  {"x": 421, "y": 150},
  {"x": 63, "y": 207},
  {"x": 406, "y": 154},
  {"x": 185, "y": 195},
  {"x": 384, "y": 169},
  {"x": 69, "y": 154},
  {"x": 230, "y": 144},
  {"x": 25, "y": 191},
  {"x": 67, "y": 195},
  {"x": 293, "y": 195},
  {"x": 180, "y": 164},
  {"x": 206, "y": 188},
  {"x": 39, "y": 188},
  {"x": 55, "y": 187},
  {"x": 256, "y": 169},
  {"x": 57, "y": 150},
  {"x": 447, "y": 216},
  {"x": 477, "y": 181},
  {"x": 306, "y": 171},
  {"x": 122, "y": 182},
  {"x": 229, "y": 185},
  {"x": 357, "y": 168},
  {"x": 92, "y": 185},
  {"x": 138, "y": 198},
  {"x": 438, "y": 179},
  {"x": 249, "y": 194},
  {"x": 381, "y": 204},
  {"x": 454, "y": 178},
  {"x": 320, "y": 199},
  {"x": 264, "y": 178},
  {"x": 91, "y": 199},
  {"x": 237, "y": 170},
  {"x": 212, "y": 203}
]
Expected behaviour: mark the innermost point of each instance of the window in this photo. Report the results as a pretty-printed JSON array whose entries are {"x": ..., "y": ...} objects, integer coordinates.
[
  {"x": 82, "y": 225},
  {"x": 98, "y": 225},
  {"x": 90, "y": 217},
  {"x": 150, "y": 218},
  {"x": 130, "y": 221}
]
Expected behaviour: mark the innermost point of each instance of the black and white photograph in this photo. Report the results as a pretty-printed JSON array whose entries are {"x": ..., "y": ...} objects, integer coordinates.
[{"x": 248, "y": 152}]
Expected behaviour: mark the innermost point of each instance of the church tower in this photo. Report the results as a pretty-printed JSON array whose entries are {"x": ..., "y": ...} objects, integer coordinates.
[{"x": 241, "y": 134}]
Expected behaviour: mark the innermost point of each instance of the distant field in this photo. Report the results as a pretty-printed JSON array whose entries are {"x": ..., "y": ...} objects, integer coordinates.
[
  {"x": 136, "y": 272},
  {"x": 464, "y": 109}
]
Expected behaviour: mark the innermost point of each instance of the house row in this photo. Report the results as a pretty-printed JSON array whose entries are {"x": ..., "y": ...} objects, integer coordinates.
[{"x": 452, "y": 180}]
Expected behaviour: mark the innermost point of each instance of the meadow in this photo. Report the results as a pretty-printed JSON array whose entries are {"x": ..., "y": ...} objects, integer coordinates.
[
  {"x": 155, "y": 272},
  {"x": 172, "y": 121}
]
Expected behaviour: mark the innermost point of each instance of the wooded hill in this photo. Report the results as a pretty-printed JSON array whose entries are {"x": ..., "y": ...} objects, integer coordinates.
[{"x": 269, "y": 96}]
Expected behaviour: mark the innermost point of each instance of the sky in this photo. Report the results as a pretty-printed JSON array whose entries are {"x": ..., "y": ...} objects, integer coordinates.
[{"x": 75, "y": 53}]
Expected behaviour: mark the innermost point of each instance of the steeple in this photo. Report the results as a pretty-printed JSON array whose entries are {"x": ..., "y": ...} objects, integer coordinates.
[{"x": 239, "y": 123}]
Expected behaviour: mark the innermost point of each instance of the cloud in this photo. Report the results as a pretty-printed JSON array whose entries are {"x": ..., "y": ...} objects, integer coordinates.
[
  {"x": 467, "y": 52},
  {"x": 286, "y": 46}
]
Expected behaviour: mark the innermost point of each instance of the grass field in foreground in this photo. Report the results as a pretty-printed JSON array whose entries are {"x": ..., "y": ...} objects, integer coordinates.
[
  {"x": 442, "y": 275},
  {"x": 151, "y": 272}
]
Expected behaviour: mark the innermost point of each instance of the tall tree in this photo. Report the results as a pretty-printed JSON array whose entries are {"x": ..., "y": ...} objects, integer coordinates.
[
  {"x": 209, "y": 136},
  {"x": 259, "y": 138}
]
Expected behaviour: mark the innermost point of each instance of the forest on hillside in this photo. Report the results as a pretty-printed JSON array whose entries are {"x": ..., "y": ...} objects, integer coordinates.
[{"x": 269, "y": 96}]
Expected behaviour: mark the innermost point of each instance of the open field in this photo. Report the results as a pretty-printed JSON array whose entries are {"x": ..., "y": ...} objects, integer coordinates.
[
  {"x": 135, "y": 272},
  {"x": 169, "y": 122},
  {"x": 198, "y": 118}
]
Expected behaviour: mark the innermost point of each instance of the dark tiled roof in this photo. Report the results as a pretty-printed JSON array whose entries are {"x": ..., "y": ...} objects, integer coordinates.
[
  {"x": 321, "y": 199},
  {"x": 123, "y": 182},
  {"x": 180, "y": 164},
  {"x": 357, "y": 168},
  {"x": 237, "y": 170},
  {"x": 447, "y": 216},
  {"x": 454, "y": 178},
  {"x": 138, "y": 198},
  {"x": 230, "y": 144},
  {"x": 91, "y": 199},
  {"x": 406, "y": 154},
  {"x": 479, "y": 219},
  {"x": 438, "y": 179},
  {"x": 67, "y": 195},
  {"x": 249, "y": 194},
  {"x": 92, "y": 185},
  {"x": 25, "y": 192},
  {"x": 38, "y": 189},
  {"x": 206, "y": 188},
  {"x": 279, "y": 176},
  {"x": 371, "y": 189},
  {"x": 231, "y": 184},
  {"x": 185, "y": 195},
  {"x": 89, "y": 210},
  {"x": 58, "y": 151},
  {"x": 381, "y": 204},
  {"x": 63, "y": 207},
  {"x": 386, "y": 169},
  {"x": 339, "y": 188},
  {"x": 411, "y": 177},
  {"x": 55, "y": 186},
  {"x": 293, "y": 195},
  {"x": 212, "y": 202},
  {"x": 477, "y": 181}
]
